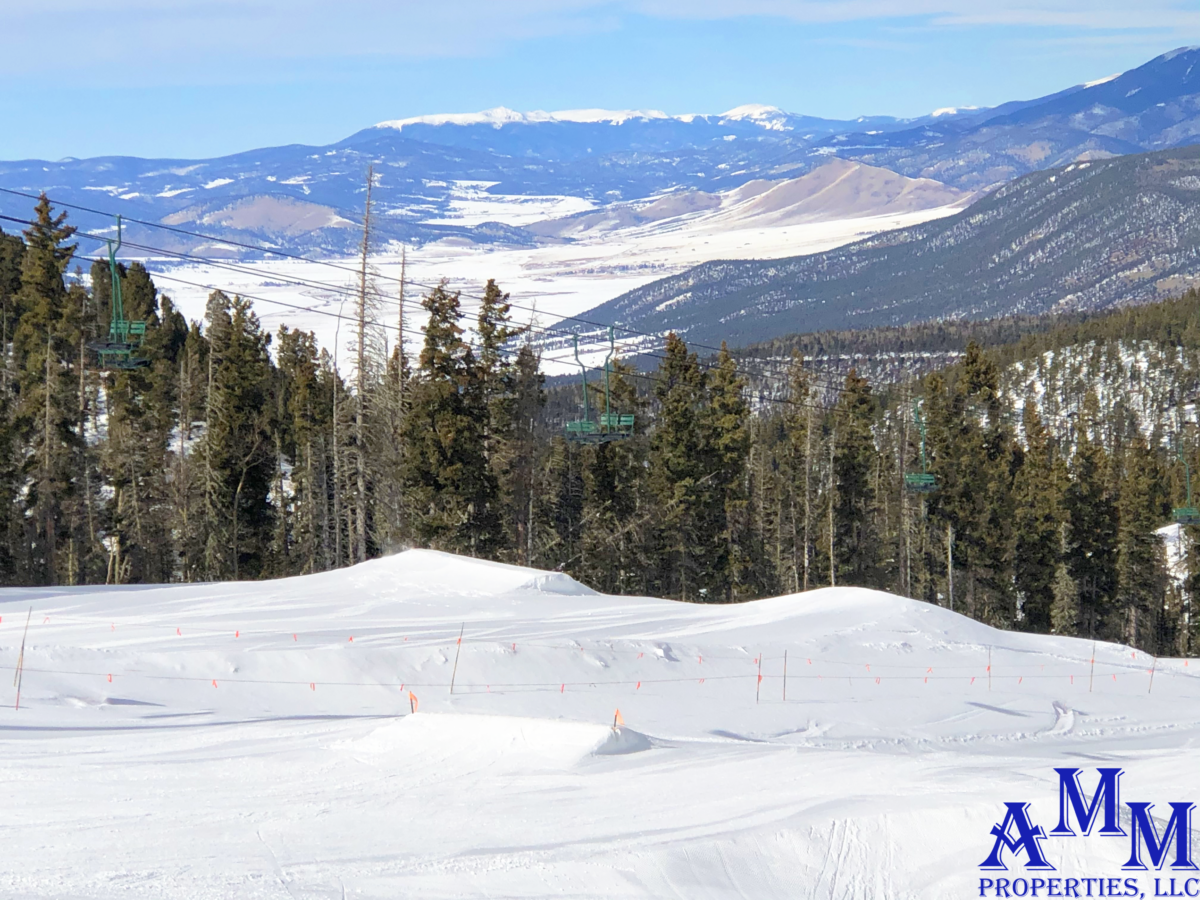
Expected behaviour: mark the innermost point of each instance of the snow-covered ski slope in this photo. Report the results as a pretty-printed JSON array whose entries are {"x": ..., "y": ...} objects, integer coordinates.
[{"x": 255, "y": 741}]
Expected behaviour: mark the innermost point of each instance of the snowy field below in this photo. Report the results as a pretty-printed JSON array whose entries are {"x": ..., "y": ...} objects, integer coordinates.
[
  {"x": 256, "y": 740},
  {"x": 555, "y": 280}
]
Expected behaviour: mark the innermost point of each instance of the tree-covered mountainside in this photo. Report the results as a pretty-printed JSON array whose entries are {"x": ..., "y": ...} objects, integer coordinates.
[{"x": 1084, "y": 237}]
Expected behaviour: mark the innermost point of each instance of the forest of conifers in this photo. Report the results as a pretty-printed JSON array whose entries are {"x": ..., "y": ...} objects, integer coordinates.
[{"x": 238, "y": 454}]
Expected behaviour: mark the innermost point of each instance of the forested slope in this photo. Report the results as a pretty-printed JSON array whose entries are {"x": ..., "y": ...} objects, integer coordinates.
[{"x": 1087, "y": 236}]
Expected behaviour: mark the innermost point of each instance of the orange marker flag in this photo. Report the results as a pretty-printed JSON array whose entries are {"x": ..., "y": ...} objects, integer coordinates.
[
  {"x": 237, "y": 634},
  {"x": 639, "y": 686},
  {"x": 412, "y": 702},
  {"x": 214, "y": 682},
  {"x": 618, "y": 719}
]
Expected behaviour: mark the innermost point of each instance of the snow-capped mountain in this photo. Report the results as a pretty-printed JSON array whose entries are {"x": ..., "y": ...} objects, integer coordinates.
[{"x": 309, "y": 199}]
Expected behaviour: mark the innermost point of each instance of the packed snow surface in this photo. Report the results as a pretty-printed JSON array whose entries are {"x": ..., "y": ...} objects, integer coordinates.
[{"x": 256, "y": 740}]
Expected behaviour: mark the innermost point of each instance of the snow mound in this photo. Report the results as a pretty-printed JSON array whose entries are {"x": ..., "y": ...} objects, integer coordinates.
[{"x": 471, "y": 741}]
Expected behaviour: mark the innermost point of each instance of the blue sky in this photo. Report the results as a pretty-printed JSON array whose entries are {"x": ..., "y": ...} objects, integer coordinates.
[{"x": 196, "y": 78}]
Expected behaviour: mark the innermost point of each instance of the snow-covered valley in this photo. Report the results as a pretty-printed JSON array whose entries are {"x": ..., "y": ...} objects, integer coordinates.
[
  {"x": 255, "y": 740},
  {"x": 600, "y": 254}
]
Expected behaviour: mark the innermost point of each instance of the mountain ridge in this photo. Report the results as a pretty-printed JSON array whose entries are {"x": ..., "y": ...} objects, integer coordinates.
[
  {"x": 1081, "y": 237},
  {"x": 602, "y": 157}
]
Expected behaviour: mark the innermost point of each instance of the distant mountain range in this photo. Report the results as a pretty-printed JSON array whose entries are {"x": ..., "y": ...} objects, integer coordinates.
[
  {"x": 308, "y": 199},
  {"x": 1090, "y": 235}
]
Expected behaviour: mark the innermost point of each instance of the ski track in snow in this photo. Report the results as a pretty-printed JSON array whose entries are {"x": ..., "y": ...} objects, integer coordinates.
[{"x": 301, "y": 773}]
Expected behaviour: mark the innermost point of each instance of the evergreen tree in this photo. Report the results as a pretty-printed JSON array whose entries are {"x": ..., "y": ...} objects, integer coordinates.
[
  {"x": 46, "y": 415},
  {"x": 1140, "y": 565},
  {"x": 855, "y": 541},
  {"x": 681, "y": 476},
  {"x": 238, "y": 446},
  {"x": 1038, "y": 510},
  {"x": 1091, "y": 536},
  {"x": 451, "y": 489}
]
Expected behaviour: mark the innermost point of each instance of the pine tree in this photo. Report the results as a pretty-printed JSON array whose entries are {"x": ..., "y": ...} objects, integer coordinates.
[
  {"x": 737, "y": 562},
  {"x": 855, "y": 541},
  {"x": 1064, "y": 608},
  {"x": 681, "y": 475},
  {"x": 46, "y": 417},
  {"x": 1091, "y": 536},
  {"x": 519, "y": 463},
  {"x": 451, "y": 491},
  {"x": 800, "y": 424},
  {"x": 1140, "y": 565},
  {"x": 1038, "y": 523},
  {"x": 238, "y": 446}
]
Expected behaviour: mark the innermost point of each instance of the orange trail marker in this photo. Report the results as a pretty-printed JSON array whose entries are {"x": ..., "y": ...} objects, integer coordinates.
[
  {"x": 514, "y": 646},
  {"x": 412, "y": 702},
  {"x": 701, "y": 658},
  {"x": 930, "y": 669},
  {"x": 639, "y": 686},
  {"x": 972, "y": 679},
  {"x": 352, "y": 637},
  {"x": 927, "y": 679},
  {"x": 617, "y": 719},
  {"x": 639, "y": 656},
  {"x": 401, "y": 686},
  {"x": 877, "y": 679},
  {"x": 294, "y": 638},
  {"x": 702, "y": 681},
  {"x": 810, "y": 662},
  {"x": 868, "y": 667},
  {"x": 110, "y": 679},
  {"x": 457, "y": 651},
  {"x": 214, "y": 682},
  {"x": 177, "y": 631},
  {"x": 237, "y": 634},
  {"x": 562, "y": 688},
  {"x": 1020, "y": 679},
  {"x": 312, "y": 685}
]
